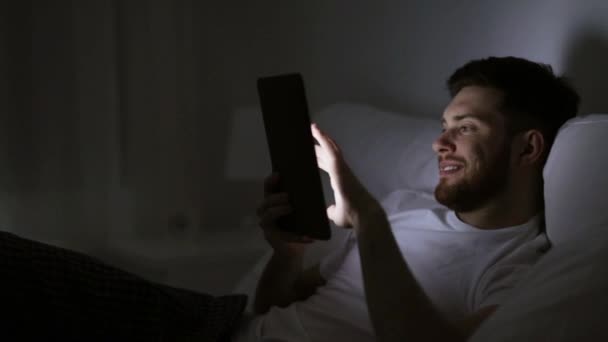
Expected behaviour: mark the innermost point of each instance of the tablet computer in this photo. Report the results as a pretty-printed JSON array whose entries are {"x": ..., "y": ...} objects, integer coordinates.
[{"x": 292, "y": 154}]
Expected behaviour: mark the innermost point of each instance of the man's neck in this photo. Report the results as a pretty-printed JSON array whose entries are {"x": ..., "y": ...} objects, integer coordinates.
[{"x": 502, "y": 213}]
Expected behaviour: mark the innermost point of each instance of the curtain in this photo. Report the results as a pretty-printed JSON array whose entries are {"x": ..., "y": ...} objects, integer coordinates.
[{"x": 105, "y": 110}]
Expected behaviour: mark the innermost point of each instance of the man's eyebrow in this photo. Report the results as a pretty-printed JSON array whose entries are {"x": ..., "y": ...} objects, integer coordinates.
[{"x": 466, "y": 116}]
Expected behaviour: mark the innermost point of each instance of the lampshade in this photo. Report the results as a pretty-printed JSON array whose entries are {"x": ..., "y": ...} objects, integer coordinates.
[{"x": 247, "y": 157}]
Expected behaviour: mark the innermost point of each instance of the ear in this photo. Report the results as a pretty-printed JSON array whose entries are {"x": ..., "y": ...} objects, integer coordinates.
[{"x": 530, "y": 147}]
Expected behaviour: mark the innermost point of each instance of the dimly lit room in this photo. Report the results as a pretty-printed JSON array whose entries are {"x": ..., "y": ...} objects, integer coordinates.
[{"x": 153, "y": 187}]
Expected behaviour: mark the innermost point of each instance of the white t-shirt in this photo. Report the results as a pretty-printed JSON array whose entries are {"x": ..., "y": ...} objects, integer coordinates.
[{"x": 461, "y": 268}]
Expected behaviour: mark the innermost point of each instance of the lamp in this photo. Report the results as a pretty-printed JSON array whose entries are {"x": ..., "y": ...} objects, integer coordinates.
[{"x": 247, "y": 153}]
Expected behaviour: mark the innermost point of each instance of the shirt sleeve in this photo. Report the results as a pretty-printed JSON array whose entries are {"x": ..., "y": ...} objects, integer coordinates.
[
  {"x": 497, "y": 284},
  {"x": 498, "y": 281}
]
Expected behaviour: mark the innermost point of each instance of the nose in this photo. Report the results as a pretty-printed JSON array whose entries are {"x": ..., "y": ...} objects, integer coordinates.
[{"x": 444, "y": 144}]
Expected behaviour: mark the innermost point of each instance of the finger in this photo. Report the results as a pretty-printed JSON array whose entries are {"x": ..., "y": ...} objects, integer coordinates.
[
  {"x": 321, "y": 138},
  {"x": 325, "y": 135},
  {"x": 294, "y": 238},
  {"x": 306, "y": 239},
  {"x": 329, "y": 139},
  {"x": 272, "y": 183},
  {"x": 269, "y": 217},
  {"x": 273, "y": 200},
  {"x": 323, "y": 151},
  {"x": 331, "y": 151},
  {"x": 332, "y": 142},
  {"x": 331, "y": 210},
  {"x": 321, "y": 159},
  {"x": 319, "y": 151}
]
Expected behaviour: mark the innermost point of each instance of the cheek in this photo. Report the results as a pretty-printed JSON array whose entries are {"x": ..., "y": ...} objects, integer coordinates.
[{"x": 477, "y": 158}]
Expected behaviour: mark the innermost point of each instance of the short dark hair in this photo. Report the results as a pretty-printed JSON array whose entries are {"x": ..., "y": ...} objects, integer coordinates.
[{"x": 534, "y": 97}]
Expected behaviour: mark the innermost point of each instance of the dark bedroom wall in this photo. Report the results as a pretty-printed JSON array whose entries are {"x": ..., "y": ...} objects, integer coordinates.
[
  {"x": 395, "y": 55},
  {"x": 58, "y": 119},
  {"x": 119, "y": 117}
]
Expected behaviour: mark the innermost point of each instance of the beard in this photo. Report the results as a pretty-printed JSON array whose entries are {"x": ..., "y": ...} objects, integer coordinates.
[{"x": 475, "y": 190}]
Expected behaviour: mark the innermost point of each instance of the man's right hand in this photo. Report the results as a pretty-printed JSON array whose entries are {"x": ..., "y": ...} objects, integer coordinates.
[
  {"x": 274, "y": 206},
  {"x": 283, "y": 280}
]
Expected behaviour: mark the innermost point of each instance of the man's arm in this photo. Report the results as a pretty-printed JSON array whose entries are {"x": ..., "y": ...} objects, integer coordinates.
[
  {"x": 284, "y": 282},
  {"x": 399, "y": 308}
]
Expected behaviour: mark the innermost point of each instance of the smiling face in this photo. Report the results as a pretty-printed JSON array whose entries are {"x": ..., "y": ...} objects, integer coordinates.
[{"x": 473, "y": 150}]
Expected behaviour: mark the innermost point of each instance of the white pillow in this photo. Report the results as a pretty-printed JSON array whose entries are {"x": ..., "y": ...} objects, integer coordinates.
[
  {"x": 387, "y": 151},
  {"x": 563, "y": 298},
  {"x": 576, "y": 184}
]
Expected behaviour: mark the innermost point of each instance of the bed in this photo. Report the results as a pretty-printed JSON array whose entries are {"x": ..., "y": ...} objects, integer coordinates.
[
  {"x": 67, "y": 295},
  {"x": 564, "y": 296}
]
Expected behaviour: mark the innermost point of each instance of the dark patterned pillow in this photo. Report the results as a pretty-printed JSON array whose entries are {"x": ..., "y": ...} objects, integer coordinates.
[{"x": 52, "y": 293}]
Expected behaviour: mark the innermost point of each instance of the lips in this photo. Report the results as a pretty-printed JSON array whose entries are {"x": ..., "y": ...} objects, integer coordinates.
[
  {"x": 447, "y": 168},
  {"x": 450, "y": 168}
]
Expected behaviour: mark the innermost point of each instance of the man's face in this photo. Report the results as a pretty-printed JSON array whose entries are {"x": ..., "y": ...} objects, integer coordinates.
[{"x": 473, "y": 151}]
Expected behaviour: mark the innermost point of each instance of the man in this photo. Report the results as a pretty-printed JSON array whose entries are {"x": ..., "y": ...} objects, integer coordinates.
[{"x": 433, "y": 274}]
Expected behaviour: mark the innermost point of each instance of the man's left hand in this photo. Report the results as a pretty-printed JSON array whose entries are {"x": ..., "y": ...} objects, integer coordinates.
[{"x": 353, "y": 201}]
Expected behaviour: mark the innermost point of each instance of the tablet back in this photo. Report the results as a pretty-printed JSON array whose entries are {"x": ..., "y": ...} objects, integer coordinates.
[{"x": 292, "y": 153}]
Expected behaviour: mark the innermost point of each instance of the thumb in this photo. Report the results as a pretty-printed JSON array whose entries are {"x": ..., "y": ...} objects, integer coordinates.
[{"x": 331, "y": 212}]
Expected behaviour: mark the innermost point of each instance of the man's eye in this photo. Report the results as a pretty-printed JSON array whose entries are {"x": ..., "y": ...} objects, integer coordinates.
[{"x": 465, "y": 129}]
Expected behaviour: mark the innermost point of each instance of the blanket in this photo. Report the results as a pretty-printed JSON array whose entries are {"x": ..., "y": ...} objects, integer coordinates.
[{"x": 50, "y": 293}]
